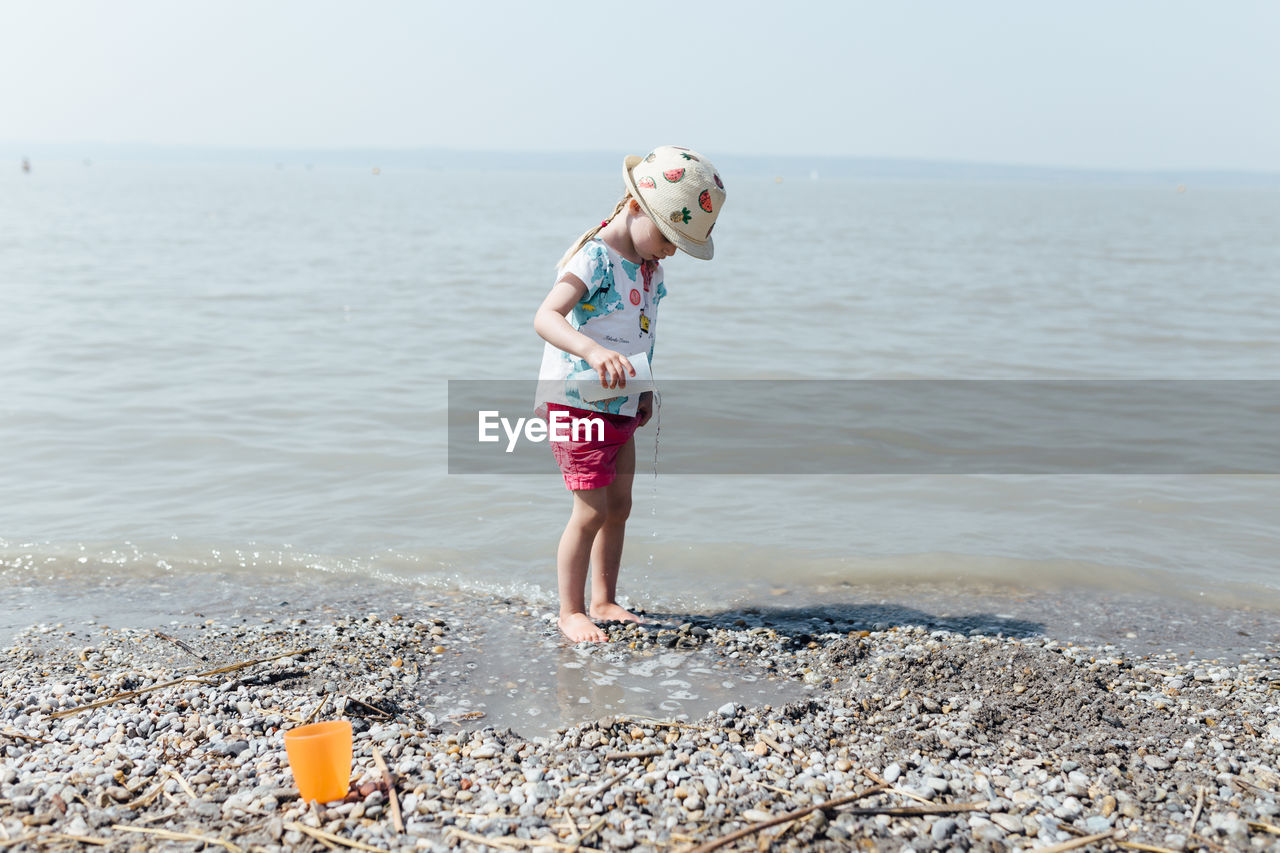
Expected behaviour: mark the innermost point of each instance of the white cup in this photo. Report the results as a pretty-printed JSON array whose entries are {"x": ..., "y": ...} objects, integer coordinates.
[{"x": 587, "y": 382}]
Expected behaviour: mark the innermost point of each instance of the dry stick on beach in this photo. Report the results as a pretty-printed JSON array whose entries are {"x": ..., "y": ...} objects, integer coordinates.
[
  {"x": 577, "y": 842},
  {"x": 391, "y": 790},
  {"x": 1077, "y": 842},
  {"x": 895, "y": 811},
  {"x": 785, "y": 818},
  {"x": 646, "y": 721},
  {"x": 79, "y": 839},
  {"x": 129, "y": 694},
  {"x": 316, "y": 712},
  {"x": 21, "y": 736},
  {"x": 174, "y": 774},
  {"x": 382, "y": 715},
  {"x": 505, "y": 843},
  {"x": 1195, "y": 815},
  {"x": 600, "y": 789},
  {"x": 1207, "y": 843},
  {"x": 1264, "y": 827},
  {"x": 322, "y": 836},
  {"x": 773, "y": 788},
  {"x": 623, "y": 756},
  {"x": 315, "y": 812},
  {"x": 186, "y": 648},
  {"x": 910, "y": 795},
  {"x": 146, "y": 799},
  {"x": 169, "y": 835},
  {"x": 771, "y": 743},
  {"x": 1145, "y": 848}
]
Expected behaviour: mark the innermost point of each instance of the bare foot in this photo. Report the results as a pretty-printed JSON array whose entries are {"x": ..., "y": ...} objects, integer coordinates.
[
  {"x": 579, "y": 629},
  {"x": 613, "y": 613}
]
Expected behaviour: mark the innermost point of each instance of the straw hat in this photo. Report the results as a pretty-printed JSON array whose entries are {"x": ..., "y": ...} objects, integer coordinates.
[{"x": 681, "y": 192}]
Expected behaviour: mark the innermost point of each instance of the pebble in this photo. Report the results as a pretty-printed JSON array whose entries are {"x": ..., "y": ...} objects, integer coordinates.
[{"x": 943, "y": 829}]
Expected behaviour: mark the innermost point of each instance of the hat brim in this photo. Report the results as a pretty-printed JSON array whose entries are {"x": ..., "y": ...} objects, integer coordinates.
[{"x": 701, "y": 251}]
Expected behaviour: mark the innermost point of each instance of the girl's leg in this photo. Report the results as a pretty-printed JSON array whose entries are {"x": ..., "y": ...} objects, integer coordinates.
[
  {"x": 606, "y": 551},
  {"x": 589, "y": 507}
]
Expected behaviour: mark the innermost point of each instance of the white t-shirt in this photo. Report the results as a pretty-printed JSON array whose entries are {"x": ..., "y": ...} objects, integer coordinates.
[{"x": 618, "y": 311}]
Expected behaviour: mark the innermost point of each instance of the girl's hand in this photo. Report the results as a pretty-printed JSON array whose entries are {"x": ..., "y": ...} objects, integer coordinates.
[
  {"x": 644, "y": 409},
  {"x": 613, "y": 367}
]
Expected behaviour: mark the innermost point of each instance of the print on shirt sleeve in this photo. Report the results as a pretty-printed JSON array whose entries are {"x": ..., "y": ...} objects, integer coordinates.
[{"x": 601, "y": 298}]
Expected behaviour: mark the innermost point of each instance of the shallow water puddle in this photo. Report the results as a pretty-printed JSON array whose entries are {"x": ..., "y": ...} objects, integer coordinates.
[{"x": 524, "y": 678}]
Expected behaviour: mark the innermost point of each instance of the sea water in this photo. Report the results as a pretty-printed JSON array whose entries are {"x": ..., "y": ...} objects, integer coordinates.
[{"x": 224, "y": 381}]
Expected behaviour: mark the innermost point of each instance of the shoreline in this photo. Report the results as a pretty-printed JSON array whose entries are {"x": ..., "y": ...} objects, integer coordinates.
[
  {"x": 1139, "y": 620},
  {"x": 996, "y": 742}
]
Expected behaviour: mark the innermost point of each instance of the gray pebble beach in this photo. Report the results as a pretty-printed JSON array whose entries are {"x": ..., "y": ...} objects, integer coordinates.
[{"x": 802, "y": 729}]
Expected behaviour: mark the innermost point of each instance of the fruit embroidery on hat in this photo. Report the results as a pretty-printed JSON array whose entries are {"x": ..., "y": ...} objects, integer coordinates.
[
  {"x": 719, "y": 182},
  {"x": 704, "y": 200},
  {"x": 646, "y": 182},
  {"x": 673, "y": 175},
  {"x": 681, "y": 215},
  {"x": 653, "y": 155},
  {"x": 690, "y": 157}
]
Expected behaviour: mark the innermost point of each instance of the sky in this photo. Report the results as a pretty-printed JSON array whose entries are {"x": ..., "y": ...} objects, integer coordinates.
[{"x": 1133, "y": 84}]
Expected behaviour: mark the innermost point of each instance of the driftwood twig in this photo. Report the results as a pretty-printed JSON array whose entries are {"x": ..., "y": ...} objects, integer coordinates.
[
  {"x": 1195, "y": 815},
  {"x": 1136, "y": 845},
  {"x": 785, "y": 818},
  {"x": 170, "y": 835},
  {"x": 645, "y": 753},
  {"x": 1077, "y": 842},
  {"x": 129, "y": 694},
  {"x": 79, "y": 839},
  {"x": 671, "y": 724},
  {"x": 321, "y": 835},
  {"x": 180, "y": 644},
  {"x": 512, "y": 843},
  {"x": 910, "y": 795},
  {"x": 391, "y": 790},
  {"x": 316, "y": 711},
  {"x": 599, "y": 789},
  {"x": 20, "y": 736},
  {"x": 374, "y": 708},
  {"x": 174, "y": 774}
]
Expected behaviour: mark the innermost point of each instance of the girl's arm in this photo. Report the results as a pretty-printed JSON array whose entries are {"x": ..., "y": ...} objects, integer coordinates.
[{"x": 551, "y": 324}]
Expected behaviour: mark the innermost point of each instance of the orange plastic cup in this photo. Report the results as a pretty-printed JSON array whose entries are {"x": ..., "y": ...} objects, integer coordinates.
[{"x": 320, "y": 757}]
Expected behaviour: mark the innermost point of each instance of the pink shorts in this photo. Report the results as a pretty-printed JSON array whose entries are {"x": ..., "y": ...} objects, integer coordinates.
[{"x": 591, "y": 462}]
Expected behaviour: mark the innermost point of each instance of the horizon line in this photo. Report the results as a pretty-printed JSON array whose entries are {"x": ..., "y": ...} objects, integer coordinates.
[{"x": 792, "y": 159}]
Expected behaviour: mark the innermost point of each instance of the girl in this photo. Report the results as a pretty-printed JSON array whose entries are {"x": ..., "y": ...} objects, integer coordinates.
[{"x": 603, "y": 308}]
